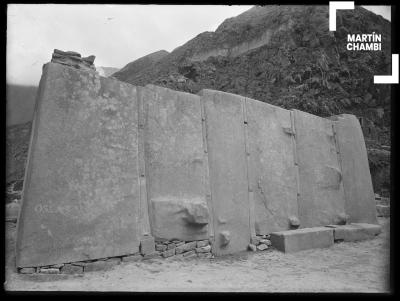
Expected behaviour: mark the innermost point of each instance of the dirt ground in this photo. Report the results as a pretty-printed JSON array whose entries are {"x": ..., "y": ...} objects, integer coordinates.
[{"x": 344, "y": 267}]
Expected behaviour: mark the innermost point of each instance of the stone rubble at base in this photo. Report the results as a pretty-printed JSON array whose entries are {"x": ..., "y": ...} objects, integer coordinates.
[{"x": 172, "y": 249}]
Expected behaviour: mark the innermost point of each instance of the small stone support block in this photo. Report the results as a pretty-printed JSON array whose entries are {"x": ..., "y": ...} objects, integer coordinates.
[
  {"x": 302, "y": 239},
  {"x": 147, "y": 245}
]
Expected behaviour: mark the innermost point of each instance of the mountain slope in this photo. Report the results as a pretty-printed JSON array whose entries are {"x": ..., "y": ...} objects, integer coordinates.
[
  {"x": 20, "y": 103},
  {"x": 140, "y": 65},
  {"x": 285, "y": 55}
]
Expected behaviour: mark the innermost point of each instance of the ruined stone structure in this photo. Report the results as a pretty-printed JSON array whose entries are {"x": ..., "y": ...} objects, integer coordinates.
[{"x": 113, "y": 167}]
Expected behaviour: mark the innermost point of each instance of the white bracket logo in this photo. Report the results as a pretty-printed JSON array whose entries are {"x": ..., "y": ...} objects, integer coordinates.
[
  {"x": 390, "y": 79},
  {"x": 378, "y": 79},
  {"x": 335, "y": 5}
]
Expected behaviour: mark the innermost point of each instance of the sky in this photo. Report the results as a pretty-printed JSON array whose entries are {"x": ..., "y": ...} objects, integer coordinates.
[{"x": 115, "y": 34}]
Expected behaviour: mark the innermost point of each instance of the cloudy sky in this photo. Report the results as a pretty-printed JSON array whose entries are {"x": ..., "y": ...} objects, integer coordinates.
[{"x": 116, "y": 34}]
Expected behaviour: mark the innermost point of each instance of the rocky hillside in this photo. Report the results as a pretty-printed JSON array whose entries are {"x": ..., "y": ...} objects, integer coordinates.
[
  {"x": 17, "y": 145},
  {"x": 20, "y": 103},
  {"x": 140, "y": 65},
  {"x": 286, "y": 56}
]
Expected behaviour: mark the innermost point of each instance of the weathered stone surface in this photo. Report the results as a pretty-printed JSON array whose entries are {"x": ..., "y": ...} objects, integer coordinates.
[
  {"x": 360, "y": 201},
  {"x": 71, "y": 269},
  {"x": 49, "y": 271},
  {"x": 147, "y": 245},
  {"x": 132, "y": 258},
  {"x": 197, "y": 214},
  {"x": 27, "y": 270},
  {"x": 205, "y": 255},
  {"x": 57, "y": 266},
  {"x": 383, "y": 210},
  {"x": 355, "y": 231},
  {"x": 302, "y": 239},
  {"x": 161, "y": 248},
  {"x": 181, "y": 243},
  {"x": 272, "y": 169},
  {"x": 255, "y": 240},
  {"x": 225, "y": 238},
  {"x": 342, "y": 218},
  {"x": 252, "y": 247},
  {"x": 321, "y": 199},
  {"x": 67, "y": 53},
  {"x": 171, "y": 246},
  {"x": 114, "y": 260},
  {"x": 153, "y": 255},
  {"x": 73, "y": 59},
  {"x": 100, "y": 265},
  {"x": 168, "y": 253},
  {"x": 171, "y": 216},
  {"x": 265, "y": 242},
  {"x": 81, "y": 263},
  {"x": 202, "y": 243},
  {"x": 175, "y": 163},
  {"x": 188, "y": 254},
  {"x": 371, "y": 229},
  {"x": 262, "y": 247},
  {"x": 81, "y": 189},
  {"x": 205, "y": 249},
  {"x": 90, "y": 59},
  {"x": 294, "y": 222},
  {"x": 228, "y": 169},
  {"x": 186, "y": 247}
]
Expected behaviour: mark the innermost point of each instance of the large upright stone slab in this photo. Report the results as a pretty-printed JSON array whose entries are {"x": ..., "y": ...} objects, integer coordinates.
[
  {"x": 272, "y": 169},
  {"x": 360, "y": 199},
  {"x": 228, "y": 170},
  {"x": 175, "y": 164},
  {"x": 321, "y": 200},
  {"x": 81, "y": 196}
]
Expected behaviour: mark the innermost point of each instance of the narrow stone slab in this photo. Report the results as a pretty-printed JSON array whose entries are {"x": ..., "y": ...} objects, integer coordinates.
[
  {"x": 147, "y": 245},
  {"x": 357, "y": 183},
  {"x": 130, "y": 258},
  {"x": 302, "y": 239},
  {"x": 321, "y": 201},
  {"x": 27, "y": 270},
  {"x": 175, "y": 164},
  {"x": 99, "y": 266},
  {"x": 71, "y": 269},
  {"x": 355, "y": 231},
  {"x": 225, "y": 128},
  {"x": 49, "y": 271},
  {"x": 272, "y": 166}
]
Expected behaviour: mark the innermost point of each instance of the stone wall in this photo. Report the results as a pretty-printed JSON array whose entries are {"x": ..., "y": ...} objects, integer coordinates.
[{"x": 116, "y": 170}]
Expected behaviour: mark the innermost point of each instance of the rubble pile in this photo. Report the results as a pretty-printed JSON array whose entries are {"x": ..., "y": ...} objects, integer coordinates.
[{"x": 73, "y": 59}]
